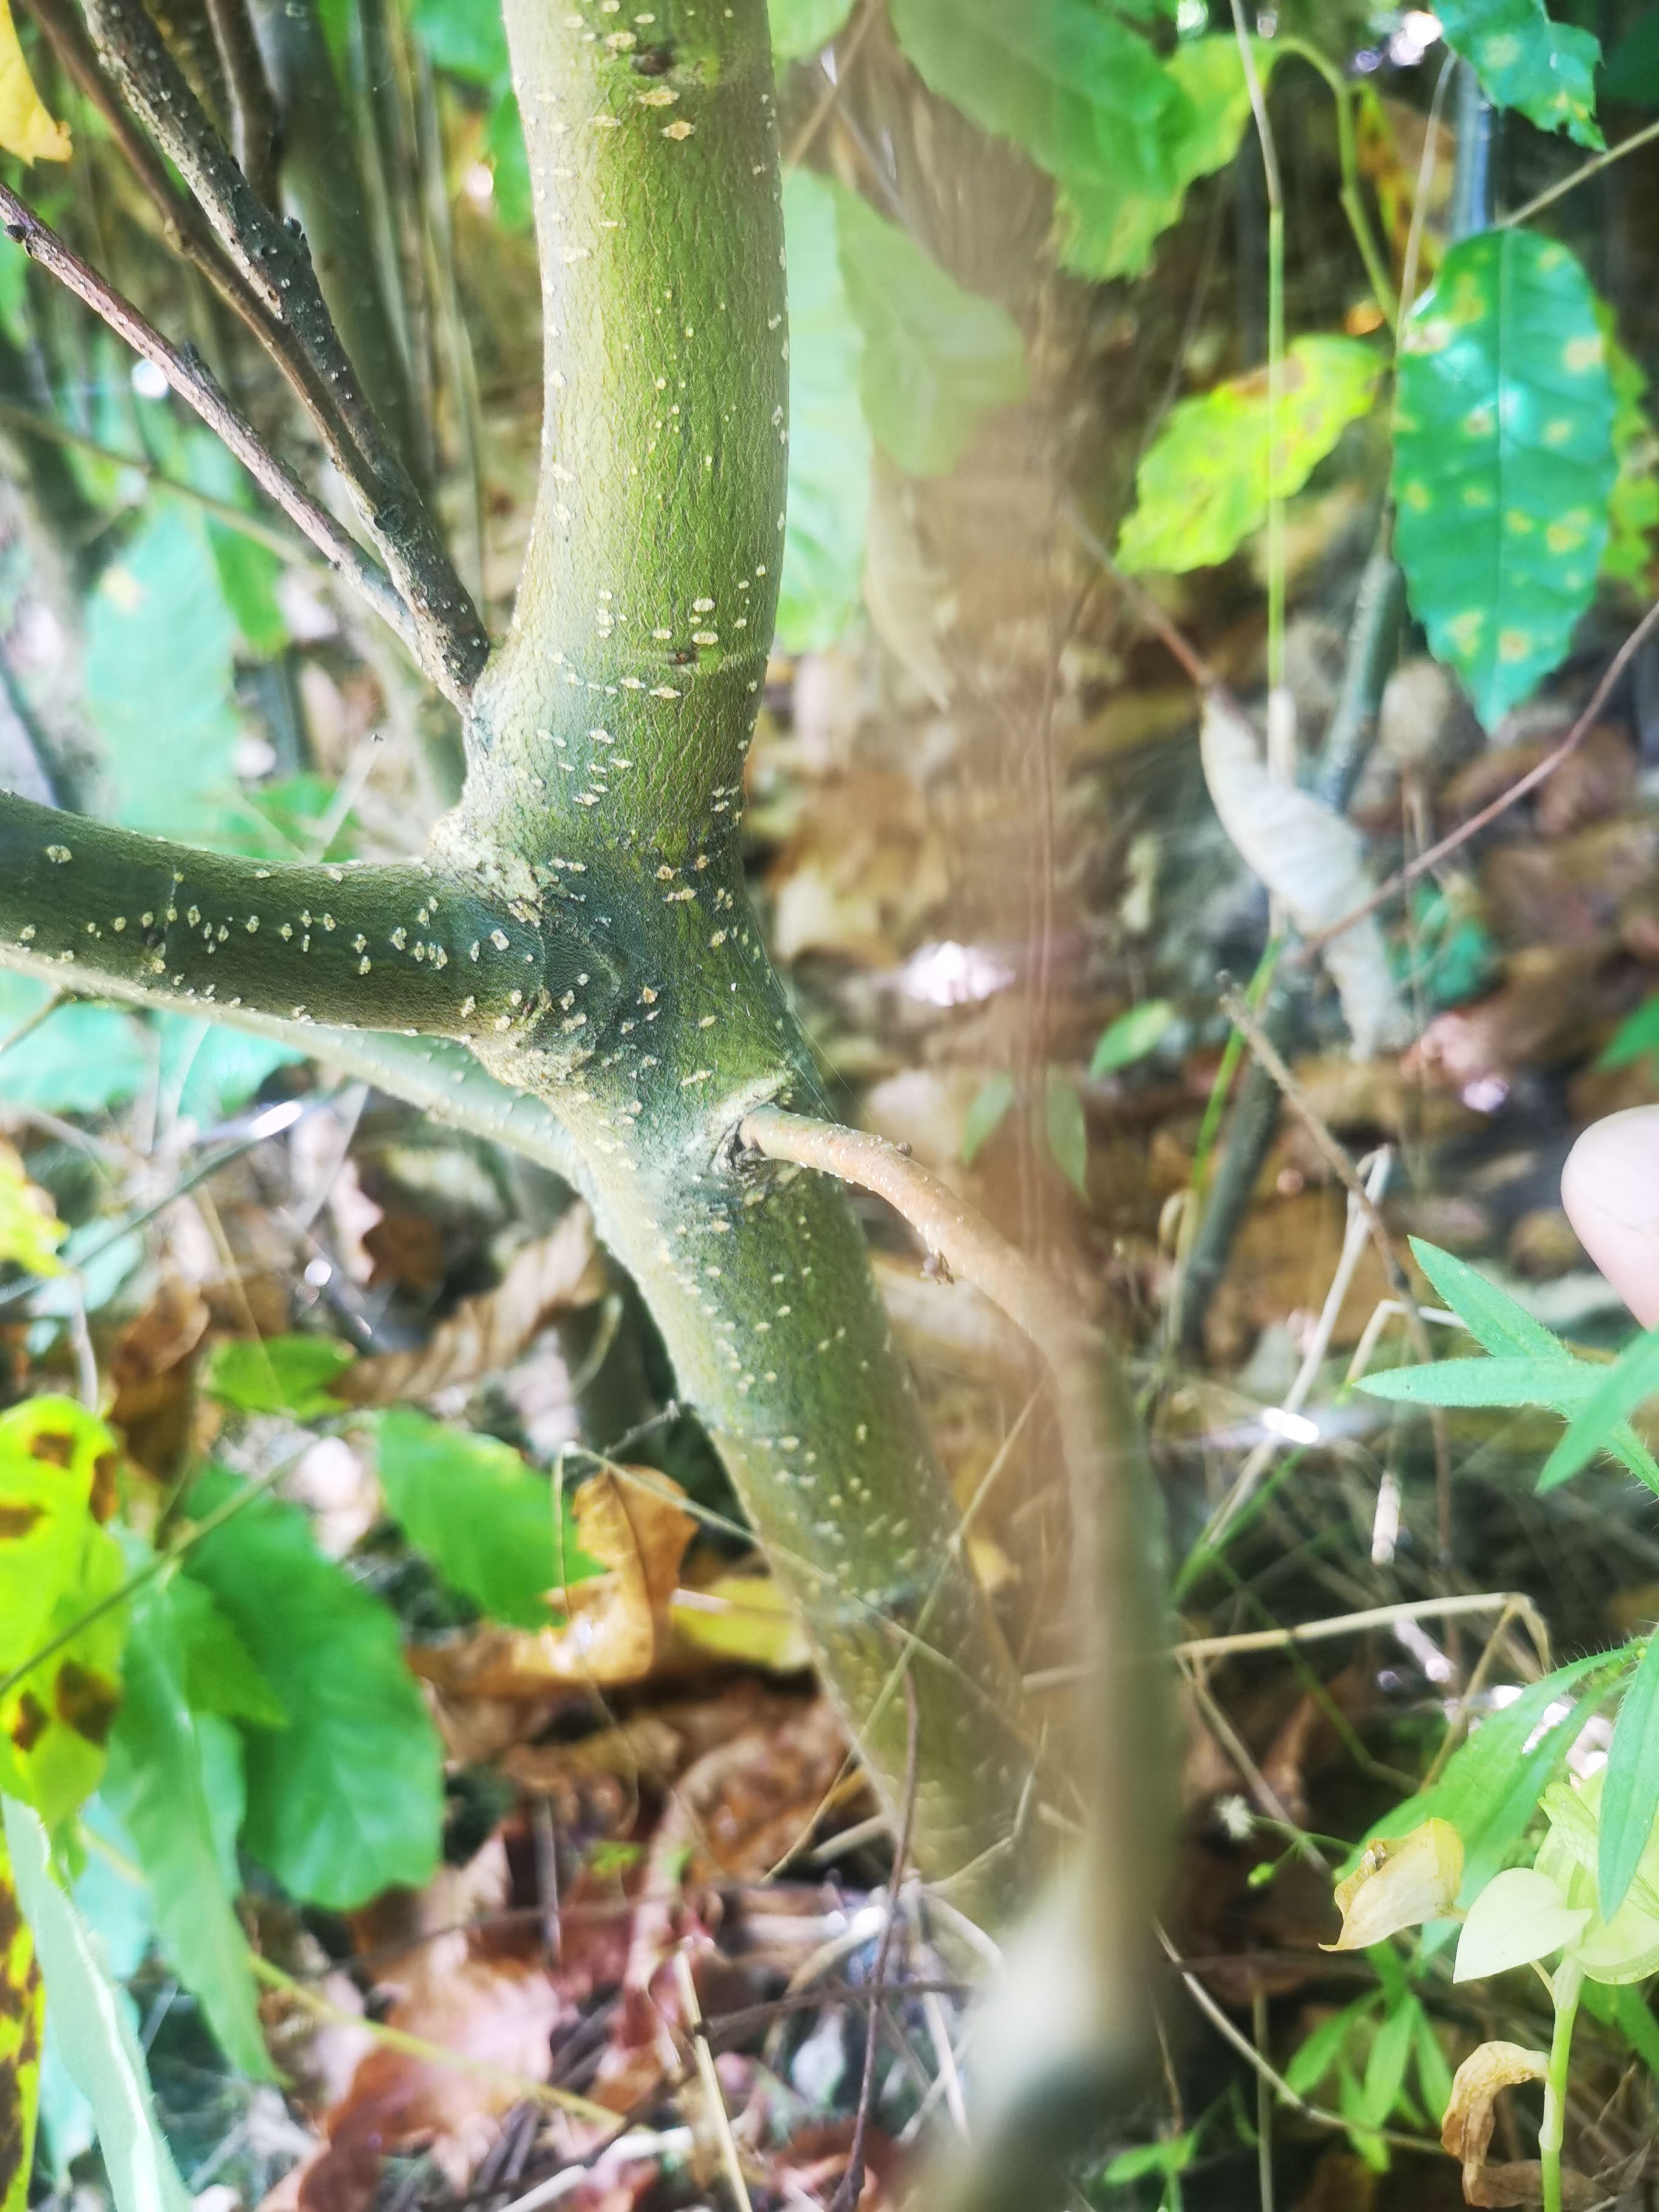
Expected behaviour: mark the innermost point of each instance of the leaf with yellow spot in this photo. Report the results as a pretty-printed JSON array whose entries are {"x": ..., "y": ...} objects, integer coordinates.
[
  {"x": 1525, "y": 60},
  {"x": 1633, "y": 508},
  {"x": 22, "y": 2005},
  {"x": 1202, "y": 488},
  {"x": 1504, "y": 461},
  {"x": 57, "y": 1563},
  {"x": 30, "y": 1231},
  {"x": 25, "y": 129}
]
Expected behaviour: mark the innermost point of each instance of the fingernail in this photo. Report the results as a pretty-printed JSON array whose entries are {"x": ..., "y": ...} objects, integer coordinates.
[{"x": 1610, "y": 1191}]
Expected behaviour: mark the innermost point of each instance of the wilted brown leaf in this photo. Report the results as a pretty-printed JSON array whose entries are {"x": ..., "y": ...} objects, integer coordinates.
[
  {"x": 1467, "y": 2130},
  {"x": 555, "y": 1274}
]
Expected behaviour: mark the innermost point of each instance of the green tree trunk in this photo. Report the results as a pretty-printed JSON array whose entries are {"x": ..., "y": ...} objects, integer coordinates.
[{"x": 581, "y": 922}]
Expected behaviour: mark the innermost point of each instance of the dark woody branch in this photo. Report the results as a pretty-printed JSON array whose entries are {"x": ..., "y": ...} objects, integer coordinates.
[
  {"x": 272, "y": 258},
  {"x": 396, "y": 947},
  {"x": 189, "y": 377},
  {"x": 253, "y": 120}
]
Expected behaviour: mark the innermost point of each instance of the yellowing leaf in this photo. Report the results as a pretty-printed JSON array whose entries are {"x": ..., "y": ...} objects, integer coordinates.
[
  {"x": 1400, "y": 1883},
  {"x": 1203, "y": 486},
  {"x": 25, "y": 129},
  {"x": 744, "y": 1617},
  {"x": 29, "y": 1230},
  {"x": 23, "y": 2005}
]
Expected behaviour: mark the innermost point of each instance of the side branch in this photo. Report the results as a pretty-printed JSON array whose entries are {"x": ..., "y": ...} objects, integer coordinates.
[
  {"x": 273, "y": 261},
  {"x": 366, "y": 947},
  {"x": 951, "y": 1230},
  {"x": 189, "y": 377}
]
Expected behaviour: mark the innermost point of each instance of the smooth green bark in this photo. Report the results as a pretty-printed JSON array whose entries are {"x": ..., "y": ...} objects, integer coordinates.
[{"x": 598, "y": 835}]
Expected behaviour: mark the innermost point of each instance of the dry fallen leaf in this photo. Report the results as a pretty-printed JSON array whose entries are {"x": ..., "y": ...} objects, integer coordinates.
[
  {"x": 1311, "y": 857},
  {"x": 618, "y": 1624},
  {"x": 556, "y": 1274}
]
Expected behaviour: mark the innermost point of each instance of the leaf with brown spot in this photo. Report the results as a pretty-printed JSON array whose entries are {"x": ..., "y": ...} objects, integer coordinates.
[
  {"x": 22, "y": 2005},
  {"x": 57, "y": 1484}
]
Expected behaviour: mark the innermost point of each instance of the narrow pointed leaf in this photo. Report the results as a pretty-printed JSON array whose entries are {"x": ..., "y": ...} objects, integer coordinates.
[
  {"x": 1492, "y": 1317},
  {"x": 1503, "y": 461},
  {"x": 94, "y": 2033},
  {"x": 1632, "y": 1377},
  {"x": 1630, "y": 1790},
  {"x": 1560, "y": 1382}
]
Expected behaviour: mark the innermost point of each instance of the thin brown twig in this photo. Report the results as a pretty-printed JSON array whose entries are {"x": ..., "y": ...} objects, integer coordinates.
[
  {"x": 187, "y": 232},
  {"x": 273, "y": 261},
  {"x": 1275, "y": 2081},
  {"x": 190, "y": 378},
  {"x": 1145, "y": 606},
  {"x": 846, "y": 55},
  {"x": 851, "y": 2188},
  {"x": 1434, "y": 855},
  {"x": 1578, "y": 176},
  {"x": 1269, "y": 1057},
  {"x": 31, "y": 423},
  {"x": 951, "y": 1228}
]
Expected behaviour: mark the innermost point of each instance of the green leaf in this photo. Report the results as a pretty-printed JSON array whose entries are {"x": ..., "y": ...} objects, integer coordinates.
[
  {"x": 1121, "y": 133},
  {"x": 1314, "y": 2058},
  {"x": 465, "y": 37},
  {"x": 81, "y": 1059},
  {"x": 22, "y": 2022},
  {"x": 1632, "y": 1377},
  {"x": 57, "y": 1563},
  {"x": 1492, "y": 1316},
  {"x": 1131, "y": 1036},
  {"x": 1067, "y": 1130},
  {"x": 1636, "y": 1036},
  {"x": 800, "y": 27},
  {"x": 1493, "y": 1781},
  {"x": 348, "y": 1799},
  {"x": 1390, "y": 2055},
  {"x": 1203, "y": 486},
  {"x": 1633, "y": 504},
  {"x": 1524, "y": 59},
  {"x": 1631, "y": 71},
  {"x": 220, "y": 1676},
  {"x": 159, "y": 642},
  {"x": 512, "y": 198},
  {"x": 212, "y": 1070},
  {"x": 937, "y": 358},
  {"x": 1559, "y": 1383},
  {"x": 489, "y": 1524},
  {"x": 156, "y": 1785},
  {"x": 828, "y": 500},
  {"x": 247, "y": 570},
  {"x": 278, "y": 1375},
  {"x": 92, "y": 2029},
  {"x": 1630, "y": 1790},
  {"x": 1503, "y": 461},
  {"x": 986, "y": 1115},
  {"x": 1173, "y": 2155},
  {"x": 1434, "y": 2074}
]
